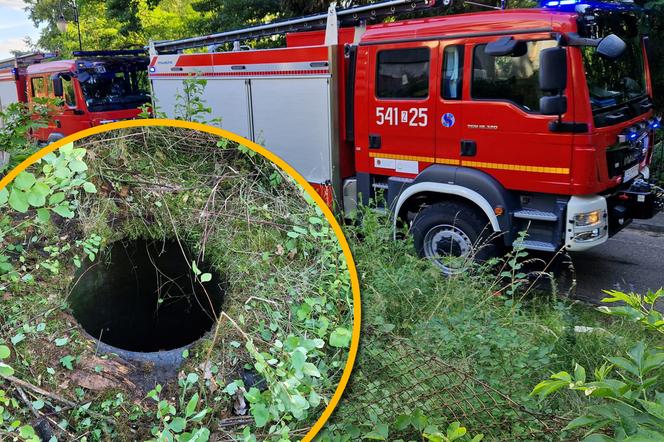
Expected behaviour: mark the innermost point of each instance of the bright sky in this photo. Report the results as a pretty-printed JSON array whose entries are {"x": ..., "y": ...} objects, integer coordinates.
[{"x": 14, "y": 27}]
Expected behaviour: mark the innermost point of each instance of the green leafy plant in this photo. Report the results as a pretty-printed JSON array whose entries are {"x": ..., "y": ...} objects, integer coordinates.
[
  {"x": 10, "y": 426},
  {"x": 636, "y": 308},
  {"x": 628, "y": 405},
  {"x": 406, "y": 427},
  {"x": 631, "y": 408},
  {"x": 55, "y": 187},
  {"x": 182, "y": 426},
  {"x": 189, "y": 103}
]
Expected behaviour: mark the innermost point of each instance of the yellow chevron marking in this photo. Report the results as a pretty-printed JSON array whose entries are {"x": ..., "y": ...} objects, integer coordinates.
[
  {"x": 450, "y": 161},
  {"x": 477, "y": 164},
  {"x": 516, "y": 167},
  {"x": 389, "y": 156}
]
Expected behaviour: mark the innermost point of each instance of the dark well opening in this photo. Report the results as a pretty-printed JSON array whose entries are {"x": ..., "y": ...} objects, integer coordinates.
[{"x": 143, "y": 296}]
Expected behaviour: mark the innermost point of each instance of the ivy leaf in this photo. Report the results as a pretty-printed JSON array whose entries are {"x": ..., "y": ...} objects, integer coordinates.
[
  {"x": 89, "y": 187},
  {"x": 206, "y": 277},
  {"x": 78, "y": 166},
  {"x": 67, "y": 362},
  {"x": 4, "y": 195},
  {"x": 261, "y": 414},
  {"x": 43, "y": 215},
  {"x": 6, "y": 370},
  {"x": 340, "y": 337},
  {"x": 64, "y": 211},
  {"x": 24, "y": 181},
  {"x": 38, "y": 194},
  {"x": 18, "y": 200},
  {"x": 311, "y": 370},
  {"x": 380, "y": 432},
  {"x": 4, "y": 352},
  {"x": 61, "y": 342},
  {"x": 56, "y": 198},
  {"x": 298, "y": 358},
  {"x": 178, "y": 424},
  {"x": 17, "y": 338}
]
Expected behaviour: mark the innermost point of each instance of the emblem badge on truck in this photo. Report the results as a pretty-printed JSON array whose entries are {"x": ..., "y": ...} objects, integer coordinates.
[{"x": 448, "y": 120}]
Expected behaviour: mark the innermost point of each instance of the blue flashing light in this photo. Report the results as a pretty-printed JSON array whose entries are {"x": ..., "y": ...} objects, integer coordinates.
[
  {"x": 571, "y": 5},
  {"x": 632, "y": 136},
  {"x": 14, "y": 71},
  {"x": 153, "y": 69}
]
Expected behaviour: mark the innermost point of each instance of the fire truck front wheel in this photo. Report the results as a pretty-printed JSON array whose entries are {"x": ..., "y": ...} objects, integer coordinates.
[{"x": 453, "y": 235}]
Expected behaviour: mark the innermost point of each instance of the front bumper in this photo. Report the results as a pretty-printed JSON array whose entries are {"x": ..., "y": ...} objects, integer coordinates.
[
  {"x": 638, "y": 200},
  {"x": 635, "y": 200}
]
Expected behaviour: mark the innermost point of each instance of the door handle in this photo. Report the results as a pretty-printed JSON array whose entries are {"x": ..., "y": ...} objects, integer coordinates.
[
  {"x": 58, "y": 123},
  {"x": 468, "y": 148},
  {"x": 375, "y": 141}
]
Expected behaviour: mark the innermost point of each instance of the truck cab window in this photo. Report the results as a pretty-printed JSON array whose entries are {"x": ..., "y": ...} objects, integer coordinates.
[
  {"x": 510, "y": 78},
  {"x": 38, "y": 87},
  {"x": 403, "y": 73},
  {"x": 452, "y": 82},
  {"x": 68, "y": 89}
]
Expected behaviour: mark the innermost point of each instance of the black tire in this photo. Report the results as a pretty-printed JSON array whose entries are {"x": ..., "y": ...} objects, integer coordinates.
[
  {"x": 52, "y": 138},
  {"x": 453, "y": 229}
]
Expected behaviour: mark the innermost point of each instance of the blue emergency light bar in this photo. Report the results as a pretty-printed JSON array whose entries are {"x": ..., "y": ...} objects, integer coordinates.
[
  {"x": 571, "y": 5},
  {"x": 109, "y": 53}
]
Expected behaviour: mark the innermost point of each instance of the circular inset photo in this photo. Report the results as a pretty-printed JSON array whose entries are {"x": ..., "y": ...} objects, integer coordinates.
[{"x": 170, "y": 281}]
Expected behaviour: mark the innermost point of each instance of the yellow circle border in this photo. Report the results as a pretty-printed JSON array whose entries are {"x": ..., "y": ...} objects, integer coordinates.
[{"x": 357, "y": 309}]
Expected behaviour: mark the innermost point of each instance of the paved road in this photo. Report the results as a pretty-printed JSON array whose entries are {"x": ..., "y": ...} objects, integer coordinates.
[{"x": 633, "y": 260}]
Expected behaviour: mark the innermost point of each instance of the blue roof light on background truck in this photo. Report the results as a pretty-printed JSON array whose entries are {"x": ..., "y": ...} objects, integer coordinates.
[{"x": 571, "y": 5}]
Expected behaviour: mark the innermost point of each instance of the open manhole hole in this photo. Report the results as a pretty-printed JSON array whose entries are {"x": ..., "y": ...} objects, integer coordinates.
[{"x": 142, "y": 296}]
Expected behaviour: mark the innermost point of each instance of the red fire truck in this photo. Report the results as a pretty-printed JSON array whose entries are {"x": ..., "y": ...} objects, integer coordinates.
[
  {"x": 96, "y": 87},
  {"x": 12, "y": 78},
  {"x": 464, "y": 126}
]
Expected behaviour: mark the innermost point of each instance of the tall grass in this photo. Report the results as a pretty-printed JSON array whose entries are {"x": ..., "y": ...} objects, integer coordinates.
[{"x": 510, "y": 342}]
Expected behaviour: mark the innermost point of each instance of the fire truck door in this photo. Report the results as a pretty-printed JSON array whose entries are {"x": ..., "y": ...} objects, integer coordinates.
[
  {"x": 402, "y": 102},
  {"x": 449, "y": 119},
  {"x": 69, "y": 118},
  {"x": 38, "y": 88},
  {"x": 504, "y": 133}
]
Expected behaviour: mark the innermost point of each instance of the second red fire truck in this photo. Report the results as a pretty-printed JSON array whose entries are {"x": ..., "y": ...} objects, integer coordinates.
[{"x": 95, "y": 87}]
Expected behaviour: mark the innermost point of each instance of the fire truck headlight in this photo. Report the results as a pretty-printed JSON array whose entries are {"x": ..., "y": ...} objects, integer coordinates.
[{"x": 588, "y": 219}]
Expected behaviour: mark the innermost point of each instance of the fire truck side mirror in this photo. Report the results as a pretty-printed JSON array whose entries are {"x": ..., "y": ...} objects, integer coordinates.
[
  {"x": 553, "y": 80},
  {"x": 553, "y": 105},
  {"x": 611, "y": 47},
  {"x": 553, "y": 70},
  {"x": 506, "y": 46},
  {"x": 57, "y": 86}
]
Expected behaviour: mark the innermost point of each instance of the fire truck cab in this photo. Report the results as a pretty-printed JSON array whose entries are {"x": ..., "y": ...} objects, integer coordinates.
[
  {"x": 523, "y": 120},
  {"x": 96, "y": 87},
  {"x": 468, "y": 128}
]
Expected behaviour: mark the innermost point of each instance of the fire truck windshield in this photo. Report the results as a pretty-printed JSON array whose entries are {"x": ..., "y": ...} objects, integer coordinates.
[
  {"x": 109, "y": 90},
  {"x": 614, "y": 83}
]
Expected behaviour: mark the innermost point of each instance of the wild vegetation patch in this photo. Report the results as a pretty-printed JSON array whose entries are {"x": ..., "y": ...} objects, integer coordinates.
[
  {"x": 442, "y": 353},
  {"x": 274, "y": 356}
]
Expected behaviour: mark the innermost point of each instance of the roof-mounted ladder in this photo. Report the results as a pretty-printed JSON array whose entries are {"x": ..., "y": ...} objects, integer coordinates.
[
  {"x": 21, "y": 61},
  {"x": 331, "y": 20}
]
